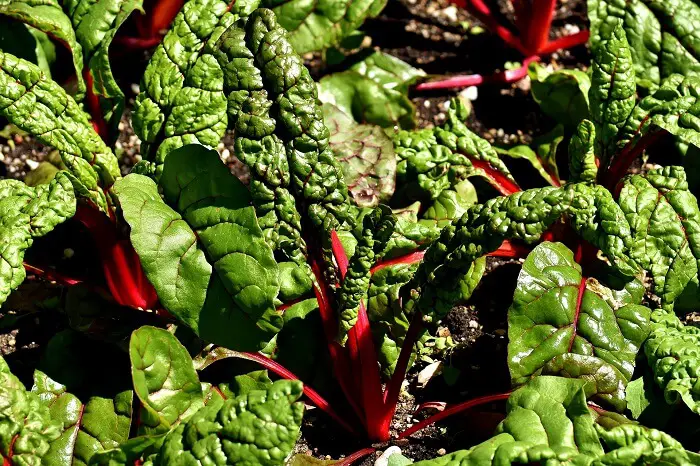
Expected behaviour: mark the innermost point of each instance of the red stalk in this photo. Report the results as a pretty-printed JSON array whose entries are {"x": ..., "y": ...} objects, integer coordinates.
[
  {"x": 479, "y": 9},
  {"x": 163, "y": 14},
  {"x": 93, "y": 104},
  {"x": 538, "y": 23},
  {"x": 436, "y": 405},
  {"x": 52, "y": 275},
  {"x": 458, "y": 82},
  {"x": 310, "y": 393},
  {"x": 363, "y": 357},
  {"x": 124, "y": 275},
  {"x": 510, "y": 249},
  {"x": 565, "y": 42},
  {"x": 410, "y": 258},
  {"x": 138, "y": 42},
  {"x": 622, "y": 162},
  {"x": 356, "y": 456},
  {"x": 497, "y": 179},
  {"x": 453, "y": 410}
]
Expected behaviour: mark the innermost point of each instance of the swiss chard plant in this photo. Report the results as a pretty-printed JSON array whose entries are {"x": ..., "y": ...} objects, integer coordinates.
[{"x": 349, "y": 244}]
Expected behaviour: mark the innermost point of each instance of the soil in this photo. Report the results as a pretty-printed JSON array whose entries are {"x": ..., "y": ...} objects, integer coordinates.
[{"x": 441, "y": 39}]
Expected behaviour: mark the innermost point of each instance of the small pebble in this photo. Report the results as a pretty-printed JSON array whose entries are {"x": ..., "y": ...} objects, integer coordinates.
[
  {"x": 473, "y": 324},
  {"x": 442, "y": 452}
]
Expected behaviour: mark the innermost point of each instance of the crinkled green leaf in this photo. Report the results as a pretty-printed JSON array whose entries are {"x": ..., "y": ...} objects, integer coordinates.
[
  {"x": 582, "y": 158},
  {"x": 374, "y": 91},
  {"x": 48, "y": 17},
  {"x": 27, "y": 213},
  {"x": 205, "y": 238},
  {"x": 366, "y": 154},
  {"x": 556, "y": 311},
  {"x": 561, "y": 94},
  {"x": 87, "y": 428},
  {"x": 450, "y": 205},
  {"x": 164, "y": 380},
  {"x": 613, "y": 88},
  {"x": 26, "y": 427},
  {"x": 23, "y": 41},
  {"x": 256, "y": 428},
  {"x": 665, "y": 222},
  {"x": 542, "y": 154},
  {"x": 672, "y": 353},
  {"x": 95, "y": 23},
  {"x": 663, "y": 35},
  {"x": 319, "y": 25},
  {"x": 42, "y": 108}
]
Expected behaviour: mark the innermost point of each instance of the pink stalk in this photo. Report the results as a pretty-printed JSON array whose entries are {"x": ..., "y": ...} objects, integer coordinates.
[
  {"x": 498, "y": 180},
  {"x": 453, "y": 410},
  {"x": 458, "y": 82},
  {"x": 621, "y": 163},
  {"x": 479, "y": 9},
  {"x": 348, "y": 460},
  {"x": 565, "y": 42},
  {"x": 410, "y": 258},
  {"x": 436, "y": 405},
  {"x": 52, "y": 275},
  {"x": 283, "y": 372}
]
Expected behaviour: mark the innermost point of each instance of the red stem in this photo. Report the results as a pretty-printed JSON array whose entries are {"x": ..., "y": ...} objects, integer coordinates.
[
  {"x": 93, "y": 104},
  {"x": 52, "y": 275},
  {"x": 348, "y": 460},
  {"x": 498, "y": 180},
  {"x": 510, "y": 249},
  {"x": 453, "y": 410},
  {"x": 479, "y": 9},
  {"x": 538, "y": 24},
  {"x": 622, "y": 162},
  {"x": 565, "y": 42},
  {"x": 138, "y": 42},
  {"x": 410, "y": 258},
  {"x": 437, "y": 405},
  {"x": 163, "y": 14},
  {"x": 310, "y": 393},
  {"x": 458, "y": 82}
]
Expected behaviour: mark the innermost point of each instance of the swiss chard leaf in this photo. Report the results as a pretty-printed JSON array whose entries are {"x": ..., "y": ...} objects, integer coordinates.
[
  {"x": 317, "y": 26},
  {"x": 582, "y": 158},
  {"x": 561, "y": 94},
  {"x": 27, "y": 213},
  {"x": 557, "y": 312},
  {"x": 204, "y": 236},
  {"x": 366, "y": 154}
]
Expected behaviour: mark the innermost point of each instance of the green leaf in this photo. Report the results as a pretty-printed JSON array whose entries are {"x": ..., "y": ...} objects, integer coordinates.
[
  {"x": 95, "y": 23},
  {"x": 557, "y": 312},
  {"x": 27, "y": 43},
  {"x": 48, "y": 17},
  {"x": 542, "y": 155},
  {"x": 450, "y": 205},
  {"x": 87, "y": 428},
  {"x": 662, "y": 35},
  {"x": 317, "y": 26},
  {"x": 665, "y": 222},
  {"x": 561, "y": 94},
  {"x": 26, "y": 427},
  {"x": 226, "y": 288},
  {"x": 582, "y": 158},
  {"x": 367, "y": 156},
  {"x": 27, "y": 213},
  {"x": 671, "y": 351},
  {"x": 374, "y": 91},
  {"x": 257, "y": 428},
  {"x": 164, "y": 380},
  {"x": 613, "y": 89},
  {"x": 42, "y": 108}
]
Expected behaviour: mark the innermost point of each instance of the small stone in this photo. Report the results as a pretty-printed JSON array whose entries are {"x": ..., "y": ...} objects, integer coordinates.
[
  {"x": 135, "y": 88},
  {"x": 473, "y": 324},
  {"x": 470, "y": 93},
  {"x": 426, "y": 104},
  {"x": 442, "y": 452},
  {"x": 32, "y": 164}
]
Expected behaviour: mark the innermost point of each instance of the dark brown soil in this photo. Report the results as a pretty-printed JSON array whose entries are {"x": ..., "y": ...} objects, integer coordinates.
[{"x": 441, "y": 39}]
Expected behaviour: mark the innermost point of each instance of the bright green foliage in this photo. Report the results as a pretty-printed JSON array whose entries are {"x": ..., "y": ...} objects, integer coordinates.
[
  {"x": 366, "y": 155},
  {"x": 548, "y": 422},
  {"x": 205, "y": 237},
  {"x": 87, "y": 428},
  {"x": 561, "y": 94},
  {"x": 259, "y": 427},
  {"x": 672, "y": 353},
  {"x": 164, "y": 380},
  {"x": 665, "y": 223},
  {"x": 319, "y": 25},
  {"x": 663, "y": 34},
  {"x": 95, "y": 23},
  {"x": 575, "y": 324},
  {"x": 26, "y": 427},
  {"x": 613, "y": 89},
  {"x": 374, "y": 91},
  {"x": 377, "y": 228},
  {"x": 430, "y": 161},
  {"x": 47, "y": 16},
  {"x": 450, "y": 205},
  {"x": 41, "y": 107},
  {"x": 582, "y": 158},
  {"x": 27, "y": 213}
]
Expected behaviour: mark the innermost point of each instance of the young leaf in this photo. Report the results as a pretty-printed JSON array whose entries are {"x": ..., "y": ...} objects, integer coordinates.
[
  {"x": 662, "y": 35},
  {"x": 556, "y": 311},
  {"x": 366, "y": 154},
  {"x": 374, "y": 91},
  {"x": 613, "y": 91},
  {"x": 313, "y": 27},
  {"x": 164, "y": 380},
  {"x": 450, "y": 205},
  {"x": 48, "y": 17},
  {"x": 26, "y": 427},
  {"x": 561, "y": 94},
  {"x": 27, "y": 43},
  {"x": 582, "y": 158},
  {"x": 87, "y": 428},
  {"x": 226, "y": 288},
  {"x": 257, "y": 428},
  {"x": 665, "y": 222},
  {"x": 41, "y": 107},
  {"x": 27, "y": 213}
]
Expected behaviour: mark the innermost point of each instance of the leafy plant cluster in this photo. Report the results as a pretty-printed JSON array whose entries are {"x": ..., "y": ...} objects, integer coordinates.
[{"x": 354, "y": 237}]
